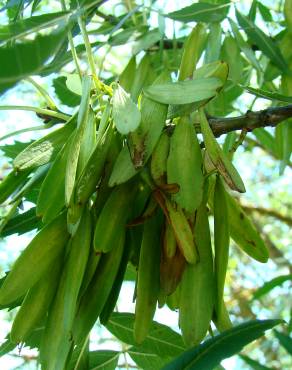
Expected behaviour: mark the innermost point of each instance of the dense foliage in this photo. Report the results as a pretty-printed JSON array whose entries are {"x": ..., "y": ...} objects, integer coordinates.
[{"x": 154, "y": 119}]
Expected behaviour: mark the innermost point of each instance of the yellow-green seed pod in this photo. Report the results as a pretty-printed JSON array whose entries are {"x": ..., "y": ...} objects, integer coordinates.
[
  {"x": 221, "y": 239},
  {"x": 159, "y": 159},
  {"x": 171, "y": 271},
  {"x": 181, "y": 228},
  {"x": 36, "y": 303},
  {"x": 143, "y": 140},
  {"x": 193, "y": 48},
  {"x": 169, "y": 241},
  {"x": 184, "y": 166},
  {"x": 51, "y": 198},
  {"x": 218, "y": 157},
  {"x": 173, "y": 299},
  {"x": 223, "y": 321},
  {"x": 198, "y": 286},
  {"x": 112, "y": 219},
  {"x": 97, "y": 293},
  {"x": 34, "y": 261},
  {"x": 57, "y": 341},
  {"x": 148, "y": 278},
  {"x": 242, "y": 230}
]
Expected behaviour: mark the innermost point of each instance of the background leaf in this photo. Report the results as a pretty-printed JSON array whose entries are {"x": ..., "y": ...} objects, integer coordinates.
[
  {"x": 262, "y": 41},
  {"x": 269, "y": 285},
  {"x": 284, "y": 340},
  {"x": 200, "y": 12},
  {"x": 210, "y": 353},
  {"x": 254, "y": 364},
  {"x": 65, "y": 95},
  {"x": 27, "y": 58},
  {"x": 26, "y": 26},
  {"x": 161, "y": 340}
]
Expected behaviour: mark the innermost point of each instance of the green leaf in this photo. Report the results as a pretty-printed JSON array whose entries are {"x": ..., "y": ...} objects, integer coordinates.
[
  {"x": 26, "y": 58},
  {"x": 244, "y": 46},
  {"x": 263, "y": 42},
  {"x": 161, "y": 340},
  {"x": 103, "y": 360},
  {"x": 22, "y": 223},
  {"x": 126, "y": 114},
  {"x": 126, "y": 78},
  {"x": 11, "y": 183},
  {"x": 265, "y": 12},
  {"x": 184, "y": 92},
  {"x": 65, "y": 95},
  {"x": 269, "y": 285},
  {"x": 267, "y": 94},
  {"x": 7, "y": 347},
  {"x": 29, "y": 25},
  {"x": 12, "y": 150},
  {"x": 254, "y": 364},
  {"x": 266, "y": 139},
  {"x": 210, "y": 353},
  {"x": 200, "y": 12},
  {"x": 45, "y": 149},
  {"x": 252, "y": 11},
  {"x": 284, "y": 340},
  {"x": 146, "y": 41},
  {"x": 147, "y": 361}
]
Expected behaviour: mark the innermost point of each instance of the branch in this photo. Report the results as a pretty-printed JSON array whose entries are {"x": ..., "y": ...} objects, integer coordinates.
[
  {"x": 250, "y": 120},
  {"x": 269, "y": 212}
]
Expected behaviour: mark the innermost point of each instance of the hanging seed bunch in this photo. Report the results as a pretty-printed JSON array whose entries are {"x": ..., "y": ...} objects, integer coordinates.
[{"x": 128, "y": 183}]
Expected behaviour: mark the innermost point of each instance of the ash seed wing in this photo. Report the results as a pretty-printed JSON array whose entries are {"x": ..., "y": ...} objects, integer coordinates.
[{"x": 126, "y": 114}]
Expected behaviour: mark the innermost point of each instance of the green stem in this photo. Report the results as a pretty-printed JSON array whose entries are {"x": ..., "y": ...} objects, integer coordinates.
[
  {"x": 17, "y": 132},
  {"x": 72, "y": 47},
  {"x": 43, "y": 92},
  {"x": 89, "y": 53},
  {"x": 45, "y": 112}
]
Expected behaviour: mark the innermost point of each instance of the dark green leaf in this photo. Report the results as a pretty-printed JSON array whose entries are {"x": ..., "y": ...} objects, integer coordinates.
[
  {"x": 12, "y": 150},
  {"x": 265, "y": 12},
  {"x": 269, "y": 285},
  {"x": 253, "y": 364},
  {"x": 200, "y": 12},
  {"x": 11, "y": 183},
  {"x": 6, "y": 347},
  {"x": 244, "y": 46},
  {"x": 161, "y": 340},
  {"x": 26, "y": 26},
  {"x": 22, "y": 223},
  {"x": 253, "y": 10},
  {"x": 27, "y": 58},
  {"x": 284, "y": 340},
  {"x": 65, "y": 95},
  {"x": 103, "y": 360},
  {"x": 267, "y": 94},
  {"x": 122, "y": 36},
  {"x": 64, "y": 57},
  {"x": 146, "y": 360},
  {"x": 262, "y": 41},
  {"x": 210, "y": 353}
]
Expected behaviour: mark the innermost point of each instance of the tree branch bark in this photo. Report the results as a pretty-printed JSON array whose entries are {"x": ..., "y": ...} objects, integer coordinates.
[{"x": 250, "y": 120}]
